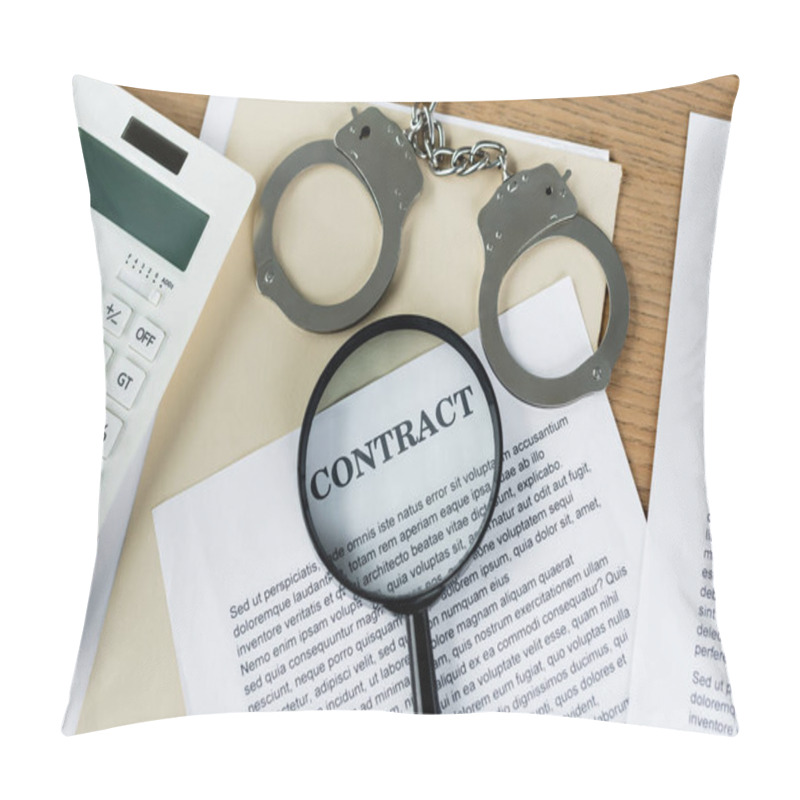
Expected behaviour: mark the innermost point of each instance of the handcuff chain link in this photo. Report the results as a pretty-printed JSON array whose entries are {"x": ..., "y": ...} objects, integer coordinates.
[{"x": 426, "y": 137}]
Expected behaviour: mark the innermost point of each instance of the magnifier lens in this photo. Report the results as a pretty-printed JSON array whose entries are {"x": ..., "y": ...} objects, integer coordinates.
[{"x": 399, "y": 468}]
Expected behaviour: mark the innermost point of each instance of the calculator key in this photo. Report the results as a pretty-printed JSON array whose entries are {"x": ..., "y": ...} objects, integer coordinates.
[
  {"x": 115, "y": 314},
  {"x": 109, "y": 352},
  {"x": 146, "y": 338},
  {"x": 124, "y": 381},
  {"x": 112, "y": 429}
]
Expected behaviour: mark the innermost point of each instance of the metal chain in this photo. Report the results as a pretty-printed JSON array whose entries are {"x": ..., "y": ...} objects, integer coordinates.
[{"x": 426, "y": 136}]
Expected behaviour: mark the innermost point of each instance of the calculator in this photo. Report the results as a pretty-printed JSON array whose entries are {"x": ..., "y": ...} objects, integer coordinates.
[{"x": 165, "y": 208}]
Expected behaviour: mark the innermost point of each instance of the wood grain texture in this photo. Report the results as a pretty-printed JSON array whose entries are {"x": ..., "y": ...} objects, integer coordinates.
[
  {"x": 646, "y": 134},
  {"x": 186, "y": 110}
]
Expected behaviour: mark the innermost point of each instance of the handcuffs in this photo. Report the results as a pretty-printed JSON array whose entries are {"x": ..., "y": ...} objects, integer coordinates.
[
  {"x": 530, "y": 207},
  {"x": 377, "y": 152}
]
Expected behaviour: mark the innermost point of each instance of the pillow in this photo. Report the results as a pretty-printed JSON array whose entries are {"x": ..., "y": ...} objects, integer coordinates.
[{"x": 301, "y": 274}]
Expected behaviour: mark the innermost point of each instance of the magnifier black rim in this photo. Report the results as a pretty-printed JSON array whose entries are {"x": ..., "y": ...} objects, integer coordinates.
[{"x": 415, "y": 602}]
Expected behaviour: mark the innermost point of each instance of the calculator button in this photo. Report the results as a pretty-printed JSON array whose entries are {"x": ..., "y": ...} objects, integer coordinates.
[
  {"x": 112, "y": 429},
  {"x": 109, "y": 352},
  {"x": 146, "y": 338},
  {"x": 124, "y": 381},
  {"x": 115, "y": 314}
]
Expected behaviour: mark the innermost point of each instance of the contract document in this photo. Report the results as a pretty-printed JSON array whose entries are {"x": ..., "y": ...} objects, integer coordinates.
[{"x": 541, "y": 619}]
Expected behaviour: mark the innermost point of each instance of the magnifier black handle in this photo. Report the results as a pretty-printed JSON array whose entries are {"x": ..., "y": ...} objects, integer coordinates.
[{"x": 423, "y": 674}]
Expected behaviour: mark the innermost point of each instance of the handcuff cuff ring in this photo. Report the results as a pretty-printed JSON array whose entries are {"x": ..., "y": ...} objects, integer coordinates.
[
  {"x": 377, "y": 152},
  {"x": 530, "y": 207}
]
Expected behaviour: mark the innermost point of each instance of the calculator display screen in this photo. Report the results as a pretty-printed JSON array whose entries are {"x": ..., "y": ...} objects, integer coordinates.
[{"x": 140, "y": 204}]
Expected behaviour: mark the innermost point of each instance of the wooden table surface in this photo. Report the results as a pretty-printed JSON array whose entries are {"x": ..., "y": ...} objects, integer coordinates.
[{"x": 646, "y": 134}]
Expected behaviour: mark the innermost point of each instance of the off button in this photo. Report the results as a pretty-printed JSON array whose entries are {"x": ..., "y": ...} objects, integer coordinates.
[{"x": 145, "y": 338}]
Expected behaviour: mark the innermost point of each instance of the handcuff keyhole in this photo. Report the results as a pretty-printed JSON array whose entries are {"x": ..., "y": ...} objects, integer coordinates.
[
  {"x": 548, "y": 190},
  {"x": 365, "y": 132}
]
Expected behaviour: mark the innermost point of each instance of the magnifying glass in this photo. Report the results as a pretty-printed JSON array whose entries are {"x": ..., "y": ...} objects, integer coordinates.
[{"x": 399, "y": 469}]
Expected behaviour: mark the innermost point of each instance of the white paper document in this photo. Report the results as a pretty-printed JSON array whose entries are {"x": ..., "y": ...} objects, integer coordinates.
[
  {"x": 540, "y": 619},
  {"x": 681, "y": 677}
]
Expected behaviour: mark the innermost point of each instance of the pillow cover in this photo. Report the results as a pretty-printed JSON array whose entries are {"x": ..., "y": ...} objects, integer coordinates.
[{"x": 568, "y": 572}]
